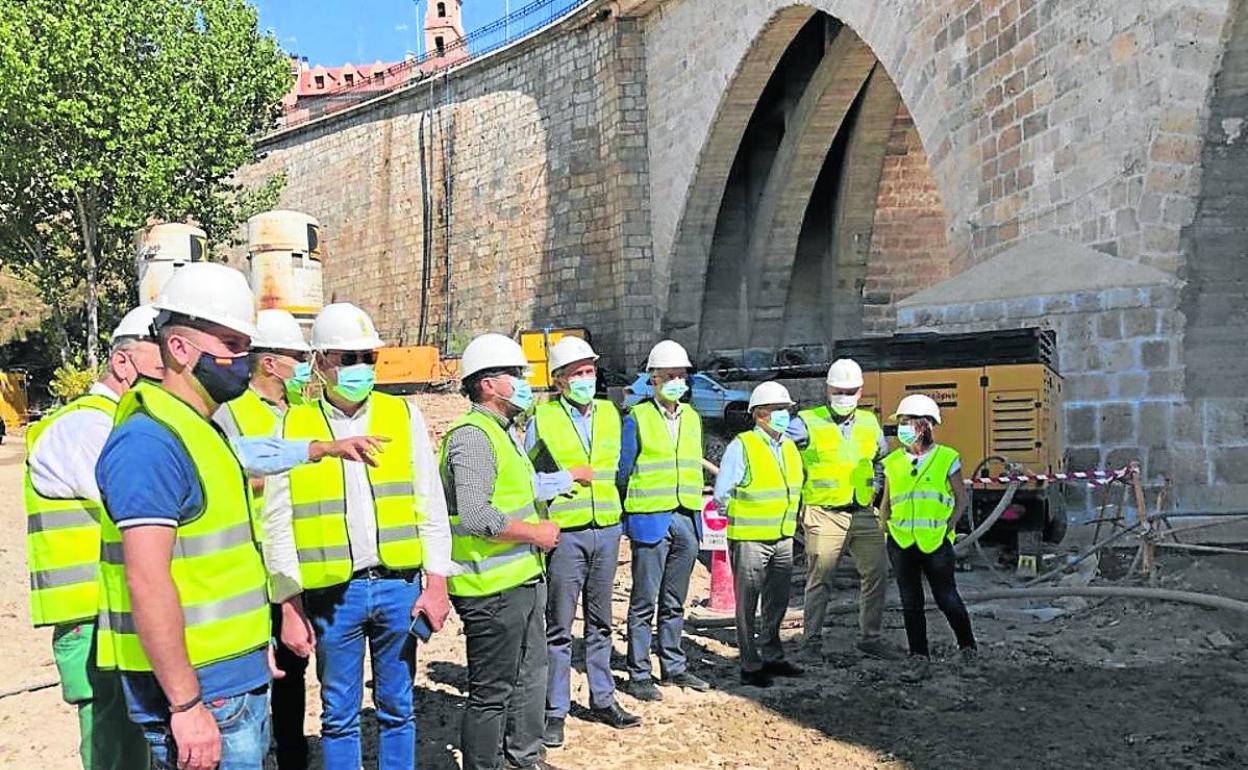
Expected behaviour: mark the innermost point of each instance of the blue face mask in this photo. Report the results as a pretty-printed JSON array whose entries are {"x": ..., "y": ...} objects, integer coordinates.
[
  {"x": 355, "y": 382},
  {"x": 674, "y": 390},
  {"x": 223, "y": 379},
  {"x": 297, "y": 382},
  {"x": 779, "y": 420},
  {"x": 582, "y": 391},
  {"x": 907, "y": 435},
  {"x": 521, "y": 394}
]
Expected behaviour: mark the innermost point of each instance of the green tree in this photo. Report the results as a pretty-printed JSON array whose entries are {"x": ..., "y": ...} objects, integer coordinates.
[{"x": 113, "y": 112}]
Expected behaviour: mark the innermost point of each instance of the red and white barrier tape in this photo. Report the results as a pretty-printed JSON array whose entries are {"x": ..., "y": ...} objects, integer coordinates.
[{"x": 1095, "y": 478}]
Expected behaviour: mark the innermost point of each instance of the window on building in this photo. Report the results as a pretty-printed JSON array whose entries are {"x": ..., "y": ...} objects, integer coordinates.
[
  {"x": 441, "y": 10},
  {"x": 378, "y": 77},
  {"x": 439, "y": 44},
  {"x": 350, "y": 79},
  {"x": 320, "y": 81}
]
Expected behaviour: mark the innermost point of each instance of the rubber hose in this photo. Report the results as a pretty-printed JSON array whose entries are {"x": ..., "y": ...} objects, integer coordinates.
[{"x": 964, "y": 545}]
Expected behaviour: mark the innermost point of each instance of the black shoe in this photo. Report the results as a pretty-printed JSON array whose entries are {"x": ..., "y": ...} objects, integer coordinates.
[
  {"x": 552, "y": 737},
  {"x": 612, "y": 716},
  {"x": 644, "y": 690},
  {"x": 685, "y": 679},
  {"x": 783, "y": 668},
  {"x": 756, "y": 678}
]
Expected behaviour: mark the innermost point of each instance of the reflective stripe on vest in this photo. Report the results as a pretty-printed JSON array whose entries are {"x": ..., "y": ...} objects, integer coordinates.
[
  {"x": 254, "y": 418},
  {"x": 62, "y": 538},
  {"x": 839, "y": 470},
  {"x": 763, "y": 506},
  {"x": 491, "y": 566},
  {"x": 216, "y": 566},
  {"x": 920, "y": 505},
  {"x": 666, "y": 475},
  {"x": 598, "y": 503},
  {"x": 318, "y": 494}
]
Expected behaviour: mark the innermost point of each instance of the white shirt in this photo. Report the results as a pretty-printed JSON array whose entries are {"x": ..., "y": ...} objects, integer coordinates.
[
  {"x": 62, "y": 461},
  {"x": 280, "y": 554},
  {"x": 673, "y": 419}
]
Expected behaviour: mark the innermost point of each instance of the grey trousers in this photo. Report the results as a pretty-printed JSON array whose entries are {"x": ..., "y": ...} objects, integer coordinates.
[
  {"x": 581, "y": 572},
  {"x": 761, "y": 571},
  {"x": 504, "y": 716}
]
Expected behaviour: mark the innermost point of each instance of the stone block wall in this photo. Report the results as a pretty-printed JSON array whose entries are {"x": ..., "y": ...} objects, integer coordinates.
[
  {"x": 1119, "y": 353},
  {"x": 525, "y": 172}
]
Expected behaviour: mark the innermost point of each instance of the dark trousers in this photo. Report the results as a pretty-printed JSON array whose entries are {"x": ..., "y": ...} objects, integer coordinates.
[
  {"x": 506, "y": 635},
  {"x": 288, "y": 703},
  {"x": 909, "y": 566},
  {"x": 581, "y": 572},
  {"x": 661, "y": 574}
]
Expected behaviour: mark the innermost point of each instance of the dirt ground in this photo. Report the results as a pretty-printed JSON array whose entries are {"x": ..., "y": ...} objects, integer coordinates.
[{"x": 1102, "y": 685}]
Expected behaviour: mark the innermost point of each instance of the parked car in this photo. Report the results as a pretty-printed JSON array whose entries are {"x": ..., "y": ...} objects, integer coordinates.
[{"x": 711, "y": 400}]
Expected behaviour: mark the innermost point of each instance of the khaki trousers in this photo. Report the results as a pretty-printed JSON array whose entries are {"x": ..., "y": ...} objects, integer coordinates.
[{"x": 828, "y": 533}]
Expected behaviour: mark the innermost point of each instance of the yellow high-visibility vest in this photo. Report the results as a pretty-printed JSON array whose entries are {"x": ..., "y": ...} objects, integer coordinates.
[
  {"x": 599, "y": 503},
  {"x": 487, "y": 566},
  {"x": 667, "y": 475},
  {"x": 319, "y": 500},
  {"x": 254, "y": 418},
  {"x": 763, "y": 507},
  {"x": 921, "y": 503},
  {"x": 840, "y": 471},
  {"x": 62, "y": 537},
  {"x": 217, "y": 568}
]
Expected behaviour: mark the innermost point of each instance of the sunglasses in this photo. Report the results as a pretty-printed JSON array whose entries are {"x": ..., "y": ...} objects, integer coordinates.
[
  {"x": 914, "y": 466},
  {"x": 351, "y": 358}
]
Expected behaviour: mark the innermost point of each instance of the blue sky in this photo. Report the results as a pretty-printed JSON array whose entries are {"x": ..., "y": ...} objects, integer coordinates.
[{"x": 359, "y": 31}]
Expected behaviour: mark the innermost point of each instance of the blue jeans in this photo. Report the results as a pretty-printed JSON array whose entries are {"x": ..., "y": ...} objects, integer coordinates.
[
  {"x": 661, "y": 579},
  {"x": 378, "y": 610},
  {"x": 244, "y": 724},
  {"x": 581, "y": 570}
]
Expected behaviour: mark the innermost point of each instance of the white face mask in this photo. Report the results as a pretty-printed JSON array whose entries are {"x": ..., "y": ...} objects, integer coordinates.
[{"x": 843, "y": 405}]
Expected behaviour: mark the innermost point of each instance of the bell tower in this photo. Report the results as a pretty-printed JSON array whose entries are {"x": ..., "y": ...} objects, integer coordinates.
[{"x": 444, "y": 32}]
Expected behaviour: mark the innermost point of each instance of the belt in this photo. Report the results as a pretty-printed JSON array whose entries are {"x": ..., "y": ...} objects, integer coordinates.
[
  {"x": 584, "y": 527},
  {"x": 383, "y": 573}
]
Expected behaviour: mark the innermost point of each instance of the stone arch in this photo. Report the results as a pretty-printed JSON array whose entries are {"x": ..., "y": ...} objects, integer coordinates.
[
  {"x": 761, "y": 292},
  {"x": 691, "y": 249}
]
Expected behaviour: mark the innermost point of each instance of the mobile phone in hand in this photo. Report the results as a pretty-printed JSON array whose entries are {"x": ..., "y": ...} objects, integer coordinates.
[{"x": 420, "y": 628}]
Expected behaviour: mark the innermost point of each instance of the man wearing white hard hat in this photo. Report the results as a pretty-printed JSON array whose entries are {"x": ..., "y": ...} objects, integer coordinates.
[
  {"x": 358, "y": 554},
  {"x": 661, "y": 475},
  {"x": 843, "y": 448},
  {"x": 578, "y": 435},
  {"x": 279, "y": 372},
  {"x": 184, "y": 609},
  {"x": 499, "y": 533},
  {"x": 924, "y": 498},
  {"x": 759, "y": 488},
  {"x": 63, "y": 543}
]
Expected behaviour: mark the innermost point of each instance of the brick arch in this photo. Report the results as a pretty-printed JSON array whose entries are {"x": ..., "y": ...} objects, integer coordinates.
[{"x": 893, "y": 37}]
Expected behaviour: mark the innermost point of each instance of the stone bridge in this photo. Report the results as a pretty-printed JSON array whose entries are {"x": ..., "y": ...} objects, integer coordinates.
[{"x": 771, "y": 173}]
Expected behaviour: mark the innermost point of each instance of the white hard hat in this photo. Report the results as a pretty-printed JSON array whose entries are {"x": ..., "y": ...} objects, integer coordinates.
[
  {"x": 918, "y": 405},
  {"x": 569, "y": 350},
  {"x": 343, "y": 326},
  {"x": 668, "y": 354},
  {"x": 278, "y": 330},
  {"x": 491, "y": 351},
  {"x": 845, "y": 373},
  {"x": 770, "y": 394},
  {"x": 136, "y": 324},
  {"x": 210, "y": 292}
]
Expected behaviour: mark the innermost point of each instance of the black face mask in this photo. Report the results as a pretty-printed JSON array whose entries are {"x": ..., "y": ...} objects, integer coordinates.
[{"x": 224, "y": 379}]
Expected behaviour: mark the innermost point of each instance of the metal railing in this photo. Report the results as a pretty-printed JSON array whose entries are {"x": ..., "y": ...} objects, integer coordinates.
[{"x": 499, "y": 33}]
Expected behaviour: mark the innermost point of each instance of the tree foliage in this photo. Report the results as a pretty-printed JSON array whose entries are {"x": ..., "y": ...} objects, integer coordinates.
[{"x": 113, "y": 112}]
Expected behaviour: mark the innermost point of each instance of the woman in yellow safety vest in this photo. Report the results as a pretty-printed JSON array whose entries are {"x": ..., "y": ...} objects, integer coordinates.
[{"x": 923, "y": 499}]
